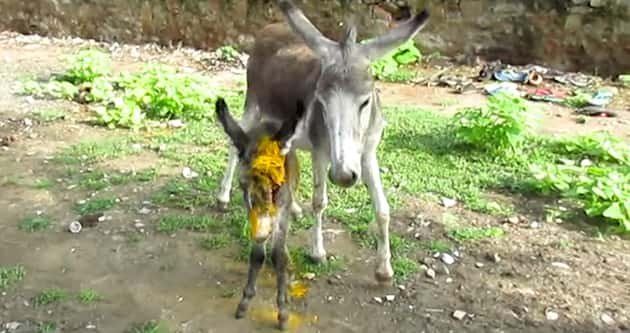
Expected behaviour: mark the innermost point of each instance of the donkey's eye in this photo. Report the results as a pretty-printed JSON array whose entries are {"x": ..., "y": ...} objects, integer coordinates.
[{"x": 364, "y": 104}]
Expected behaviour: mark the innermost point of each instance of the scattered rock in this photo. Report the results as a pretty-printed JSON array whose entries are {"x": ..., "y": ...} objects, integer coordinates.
[
  {"x": 75, "y": 227},
  {"x": 607, "y": 319},
  {"x": 447, "y": 259},
  {"x": 144, "y": 211},
  {"x": 459, "y": 314},
  {"x": 494, "y": 257},
  {"x": 402, "y": 287},
  {"x": 448, "y": 280},
  {"x": 513, "y": 220},
  {"x": 479, "y": 264},
  {"x": 189, "y": 173},
  {"x": 586, "y": 163},
  {"x": 535, "y": 225},
  {"x": 430, "y": 273},
  {"x": 28, "y": 122},
  {"x": 448, "y": 203},
  {"x": 378, "y": 300},
  {"x": 12, "y": 326},
  {"x": 390, "y": 298},
  {"x": 309, "y": 276},
  {"x": 551, "y": 315},
  {"x": 560, "y": 265},
  {"x": 175, "y": 123}
]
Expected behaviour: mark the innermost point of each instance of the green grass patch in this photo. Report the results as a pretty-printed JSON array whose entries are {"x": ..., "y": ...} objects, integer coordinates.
[
  {"x": 404, "y": 268},
  {"x": 475, "y": 233},
  {"x": 302, "y": 263},
  {"x": 48, "y": 115},
  {"x": 391, "y": 67},
  {"x": 215, "y": 242},
  {"x": 10, "y": 275},
  {"x": 173, "y": 223},
  {"x": 42, "y": 184},
  {"x": 437, "y": 245},
  {"x": 97, "y": 180},
  {"x": 89, "y": 296},
  {"x": 95, "y": 205},
  {"x": 46, "y": 327},
  {"x": 94, "y": 151},
  {"x": 51, "y": 296},
  {"x": 35, "y": 223}
]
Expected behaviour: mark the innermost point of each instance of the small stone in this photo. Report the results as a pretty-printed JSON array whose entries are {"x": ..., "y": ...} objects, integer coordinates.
[
  {"x": 560, "y": 265},
  {"x": 494, "y": 257},
  {"x": 402, "y": 287},
  {"x": 607, "y": 319},
  {"x": 513, "y": 220},
  {"x": 459, "y": 314},
  {"x": 447, "y": 259},
  {"x": 189, "y": 173},
  {"x": 449, "y": 280},
  {"x": 448, "y": 203},
  {"x": 175, "y": 123},
  {"x": 180, "y": 299},
  {"x": 139, "y": 225},
  {"x": 28, "y": 122},
  {"x": 551, "y": 315},
  {"x": 479, "y": 264},
  {"x": 136, "y": 146},
  {"x": 390, "y": 298},
  {"x": 12, "y": 326},
  {"x": 144, "y": 211},
  {"x": 309, "y": 276},
  {"x": 90, "y": 327},
  {"x": 534, "y": 225},
  {"x": 378, "y": 300},
  {"x": 430, "y": 273},
  {"x": 586, "y": 163}
]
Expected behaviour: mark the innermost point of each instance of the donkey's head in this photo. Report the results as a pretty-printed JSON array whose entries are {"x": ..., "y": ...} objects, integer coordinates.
[
  {"x": 261, "y": 152},
  {"x": 345, "y": 89}
]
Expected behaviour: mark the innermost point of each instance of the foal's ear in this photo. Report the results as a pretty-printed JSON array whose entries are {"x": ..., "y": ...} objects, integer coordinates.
[
  {"x": 291, "y": 128},
  {"x": 230, "y": 126}
]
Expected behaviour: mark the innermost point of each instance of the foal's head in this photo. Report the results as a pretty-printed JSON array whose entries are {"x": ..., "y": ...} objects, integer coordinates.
[{"x": 262, "y": 154}]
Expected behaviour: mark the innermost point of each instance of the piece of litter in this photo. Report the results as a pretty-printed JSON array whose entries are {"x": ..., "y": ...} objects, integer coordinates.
[
  {"x": 75, "y": 227},
  {"x": 448, "y": 203},
  {"x": 560, "y": 265},
  {"x": 459, "y": 314}
]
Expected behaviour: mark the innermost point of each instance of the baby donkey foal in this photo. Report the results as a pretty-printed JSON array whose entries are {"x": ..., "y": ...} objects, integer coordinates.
[{"x": 269, "y": 171}]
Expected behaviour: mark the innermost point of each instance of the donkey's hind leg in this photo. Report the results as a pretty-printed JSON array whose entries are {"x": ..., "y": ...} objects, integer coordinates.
[{"x": 256, "y": 260}]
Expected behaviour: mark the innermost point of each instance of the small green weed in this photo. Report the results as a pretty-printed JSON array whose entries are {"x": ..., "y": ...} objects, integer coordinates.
[
  {"x": 475, "y": 233},
  {"x": 88, "y": 296},
  {"x": 90, "y": 152},
  {"x": 404, "y": 268},
  {"x": 87, "y": 65},
  {"x": 302, "y": 263},
  {"x": 173, "y": 223},
  {"x": 10, "y": 275},
  {"x": 46, "y": 327},
  {"x": 42, "y": 184},
  {"x": 227, "y": 53},
  {"x": 95, "y": 205},
  {"x": 35, "y": 223},
  {"x": 437, "y": 246},
  {"x": 215, "y": 242},
  {"x": 50, "y": 296}
]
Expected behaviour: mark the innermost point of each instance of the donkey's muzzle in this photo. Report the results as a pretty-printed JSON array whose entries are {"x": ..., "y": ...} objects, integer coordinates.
[{"x": 343, "y": 177}]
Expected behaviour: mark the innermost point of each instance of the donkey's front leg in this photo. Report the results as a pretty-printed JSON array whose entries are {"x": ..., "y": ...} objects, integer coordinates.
[
  {"x": 372, "y": 179},
  {"x": 280, "y": 260},
  {"x": 256, "y": 260},
  {"x": 320, "y": 201}
]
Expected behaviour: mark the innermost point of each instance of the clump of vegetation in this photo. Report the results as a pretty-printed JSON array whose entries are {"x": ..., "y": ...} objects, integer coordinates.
[
  {"x": 157, "y": 92},
  {"x": 390, "y": 67},
  {"x": 502, "y": 127},
  {"x": 50, "y": 296},
  {"x": 35, "y": 223},
  {"x": 227, "y": 53},
  {"x": 148, "y": 327},
  {"x": 10, "y": 275},
  {"x": 87, "y": 296}
]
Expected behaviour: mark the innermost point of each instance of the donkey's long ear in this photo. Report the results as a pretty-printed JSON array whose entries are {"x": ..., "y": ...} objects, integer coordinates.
[
  {"x": 230, "y": 126},
  {"x": 315, "y": 40},
  {"x": 290, "y": 129},
  {"x": 379, "y": 46}
]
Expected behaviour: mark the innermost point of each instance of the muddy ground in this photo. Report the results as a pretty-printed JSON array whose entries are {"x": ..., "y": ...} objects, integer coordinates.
[{"x": 504, "y": 285}]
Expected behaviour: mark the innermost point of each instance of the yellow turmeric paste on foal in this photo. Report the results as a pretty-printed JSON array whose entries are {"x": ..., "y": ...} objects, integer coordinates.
[{"x": 267, "y": 171}]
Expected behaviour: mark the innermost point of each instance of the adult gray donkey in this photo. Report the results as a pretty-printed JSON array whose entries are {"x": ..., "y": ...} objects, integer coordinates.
[{"x": 343, "y": 123}]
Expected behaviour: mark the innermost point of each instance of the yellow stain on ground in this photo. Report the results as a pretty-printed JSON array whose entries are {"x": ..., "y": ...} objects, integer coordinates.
[
  {"x": 270, "y": 316},
  {"x": 298, "y": 289}
]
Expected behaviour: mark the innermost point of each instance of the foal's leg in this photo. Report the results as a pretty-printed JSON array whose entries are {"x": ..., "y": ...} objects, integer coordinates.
[
  {"x": 223, "y": 197},
  {"x": 256, "y": 260},
  {"x": 320, "y": 201},
  {"x": 372, "y": 179},
  {"x": 280, "y": 259}
]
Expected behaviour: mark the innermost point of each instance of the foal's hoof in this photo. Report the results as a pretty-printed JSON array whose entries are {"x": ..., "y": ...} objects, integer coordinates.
[
  {"x": 241, "y": 310},
  {"x": 283, "y": 321},
  {"x": 222, "y": 206},
  {"x": 384, "y": 275}
]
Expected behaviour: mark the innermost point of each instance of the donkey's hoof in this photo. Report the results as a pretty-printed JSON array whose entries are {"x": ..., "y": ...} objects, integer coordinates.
[
  {"x": 318, "y": 259},
  {"x": 241, "y": 310},
  {"x": 384, "y": 274},
  {"x": 296, "y": 210},
  {"x": 283, "y": 321},
  {"x": 222, "y": 205}
]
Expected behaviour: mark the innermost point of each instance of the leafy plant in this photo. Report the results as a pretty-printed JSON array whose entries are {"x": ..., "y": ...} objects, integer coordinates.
[
  {"x": 500, "y": 127},
  {"x": 227, "y": 53},
  {"x": 87, "y": 65},
  {"x": 10, "y": 275},
  {"x": 388, "y": 67}
]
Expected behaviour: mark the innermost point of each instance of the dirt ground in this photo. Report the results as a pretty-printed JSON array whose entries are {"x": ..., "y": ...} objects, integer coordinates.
[{"x": 503, "y": 285}]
